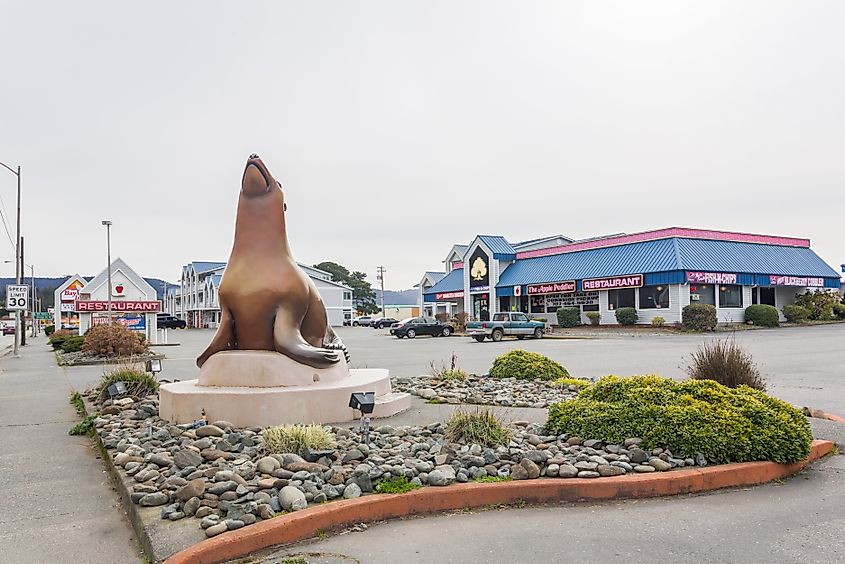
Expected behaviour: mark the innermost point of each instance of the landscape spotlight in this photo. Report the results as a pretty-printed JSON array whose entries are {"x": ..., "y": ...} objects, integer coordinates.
[
  {"x": 364, "y": 402},
  {"x": 153, "y": 365},
  {"x": 117, "y": 389}
]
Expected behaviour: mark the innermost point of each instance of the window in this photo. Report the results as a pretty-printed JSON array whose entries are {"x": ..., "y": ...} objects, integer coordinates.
[
  {"x": 730, "y": 295},
  {"x": 590, "y": 307},
  {"x": 500, "y": 317},
  {"x": 520, "y": 318},
  {"x": 654, "y": 297},
  {"x": 538, "y": 304},
  {"x": 620, "y": 298},
  {"x": 702, "y": 294}
]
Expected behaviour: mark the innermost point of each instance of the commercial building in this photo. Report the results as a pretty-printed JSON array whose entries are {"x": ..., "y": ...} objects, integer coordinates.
[
  {"x": 658, "y": 272},
  {"x": 195, "y": 299}
]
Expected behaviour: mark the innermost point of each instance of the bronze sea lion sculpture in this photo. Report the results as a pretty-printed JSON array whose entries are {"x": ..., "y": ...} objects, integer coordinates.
[{"x": 267, "y": 302}]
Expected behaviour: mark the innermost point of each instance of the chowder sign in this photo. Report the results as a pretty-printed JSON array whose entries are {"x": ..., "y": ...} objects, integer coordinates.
[
  {"x": 552, "y": 288},
  {"x": 613, "y": 283}
]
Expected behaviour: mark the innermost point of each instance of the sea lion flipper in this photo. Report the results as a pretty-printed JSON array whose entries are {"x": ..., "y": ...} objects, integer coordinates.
[
  {"x": 332, "y": 341},
  {"x": 288, "y": 340},
  {"x": 223, "y": 340}
]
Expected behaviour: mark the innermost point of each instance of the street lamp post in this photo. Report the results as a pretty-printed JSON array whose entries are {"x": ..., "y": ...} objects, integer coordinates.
[
  {"x": 107, "y": 223},
  {"x": 18, "y": 272},
  {"x": 34, "y": 307}
]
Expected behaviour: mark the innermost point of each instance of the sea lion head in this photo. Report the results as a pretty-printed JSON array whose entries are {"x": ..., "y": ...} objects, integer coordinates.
[{"x": 257, "y": 182}]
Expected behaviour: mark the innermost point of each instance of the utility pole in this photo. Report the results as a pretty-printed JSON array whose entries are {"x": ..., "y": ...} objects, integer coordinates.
[
  {"x": 34, "y": 302},
  {"x": 381, "y": 271},
  {"x": 107, "y": 223},
  {"x": 18, "y": 269},
  {"x": 22, "y": 313}
]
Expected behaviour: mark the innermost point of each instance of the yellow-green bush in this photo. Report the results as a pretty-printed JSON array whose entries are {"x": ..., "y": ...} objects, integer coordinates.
[
  {"x": 525, "y": 365},
  {"x": 725, "y": 424}
]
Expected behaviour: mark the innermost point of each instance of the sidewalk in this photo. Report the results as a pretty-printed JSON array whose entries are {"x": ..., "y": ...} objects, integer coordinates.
[{"x": 56, "y": 503}]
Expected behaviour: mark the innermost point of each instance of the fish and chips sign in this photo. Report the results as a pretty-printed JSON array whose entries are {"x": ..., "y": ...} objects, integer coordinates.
[
  {"x": 137, "y": 306},
  {"x": 565, "y": 287},
  {"x": 711, "y": 278}
]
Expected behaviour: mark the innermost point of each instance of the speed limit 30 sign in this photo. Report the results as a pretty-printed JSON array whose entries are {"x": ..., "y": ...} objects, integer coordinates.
[{"x": 17, "y": 297}]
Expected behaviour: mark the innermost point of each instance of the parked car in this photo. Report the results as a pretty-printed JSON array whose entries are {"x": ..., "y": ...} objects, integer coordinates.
[
  {"x": 414, "y": 326},
  {"x": 166, "y": 321},
  {"x": 383, "y": 322},
  {"x": 8, "y": 328},
  {"x": 363, "y": 321},
  {"x": 506, "y": 323}
]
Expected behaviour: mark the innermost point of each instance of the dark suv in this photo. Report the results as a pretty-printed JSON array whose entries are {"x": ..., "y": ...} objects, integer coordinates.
[
  {"x": 165, "y": 321},
  {"x": 414, "y": 326}
]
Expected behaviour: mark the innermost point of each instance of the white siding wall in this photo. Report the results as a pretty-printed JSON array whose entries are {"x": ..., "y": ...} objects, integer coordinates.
[{"x": 733, "y": 314}]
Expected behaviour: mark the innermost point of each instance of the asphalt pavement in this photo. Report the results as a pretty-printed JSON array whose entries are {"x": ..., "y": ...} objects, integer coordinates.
[{"x": 57, "y": 503}]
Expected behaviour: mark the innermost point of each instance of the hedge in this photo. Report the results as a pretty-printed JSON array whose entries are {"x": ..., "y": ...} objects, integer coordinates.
[
  {"x": 626, "y": 316},
  {"x": 796, "y": 313},
  {"x": 699, "y": 317},
  {"x": 724, "y": 424},
  {"x": 525, "y": 365},
  {"x": 568, "y": 316},
  {"x": 762, "y": 315}
]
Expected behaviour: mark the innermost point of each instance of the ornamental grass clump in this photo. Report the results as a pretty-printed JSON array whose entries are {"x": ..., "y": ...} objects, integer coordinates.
[
  {"x": 452, "y": 372},
  {"x": 727, "y": 363},
  {"x": 524, "y": 365},
  {"x": 479, "y": 427},
  {"x": 694, "y": 416},
  {"x": 138, "y": 383},
  {"x": 296, "y": 439},
  {"x": 114, "y": 339}
]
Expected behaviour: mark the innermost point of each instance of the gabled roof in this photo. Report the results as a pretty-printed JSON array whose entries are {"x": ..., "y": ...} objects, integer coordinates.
[
  {"x": 119, "y": 265},
  {"x": 452, "y": 282},
  {"x": 666, "y": 255},
  {"x": 498, "y": 245},
  {"x": 206, "y": 266}
]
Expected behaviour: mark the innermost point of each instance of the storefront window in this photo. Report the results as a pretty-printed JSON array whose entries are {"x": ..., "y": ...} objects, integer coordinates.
[
  {"x": 702, "y": 294},
  {"x": 730, "y": 295},
  {"x": 621, "y": 298},
  {"x": 590, "y": 307},
  {"x": 538, "y": 304},
  {"x": 654, "y": 297}
]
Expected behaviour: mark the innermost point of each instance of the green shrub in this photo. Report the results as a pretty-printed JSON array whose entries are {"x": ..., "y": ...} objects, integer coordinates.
[
  {"x": 594, "y": 317},
  {"x": 493, "y": 479},
  {"x": 568, "y": 316},
  {"x": 727, "y": 363},
  {"x": 113, "y": 339},
  {"x": 396, "y": 485},
  {"x": 839, "y": 311},
  {"x": 569, "y": 381},
  {"x": 480, "y": 427},
  {"x": 658, "y": 321},
  {"x": 699, "y": 317},
  {"x": 58, "y": 338},
  {"x": 724, "y": 424},
  {"x": 72, "y": 344},
  {"x": 296, "y": 439},
  {"x": 49, "y": 329},
  {"x": 85, "y": 426},
  {"x": 525, "y": 365},
  {"x": 819, "y": 303},
  {"x": 796, "y": 313},
  {"x": 762, "y": 315},
  {"x": 138, "y": 383},
  {"x": 627, "y": 316}
]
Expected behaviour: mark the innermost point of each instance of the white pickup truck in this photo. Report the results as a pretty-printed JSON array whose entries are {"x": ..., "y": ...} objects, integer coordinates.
[{"x": 503, "y": 324}]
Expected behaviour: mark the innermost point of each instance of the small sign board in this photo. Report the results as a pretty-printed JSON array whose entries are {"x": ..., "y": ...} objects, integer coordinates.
[
  {"x": 43, "y": 315},
  {"x": 17, "y": 297}
]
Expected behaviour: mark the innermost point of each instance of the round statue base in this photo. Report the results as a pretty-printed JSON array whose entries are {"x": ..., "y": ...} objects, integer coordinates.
[{"x": 264, "y": 388}]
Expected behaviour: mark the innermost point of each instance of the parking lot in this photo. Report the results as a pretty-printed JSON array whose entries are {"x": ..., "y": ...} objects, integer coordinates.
[{"x": 804, "y": 365}]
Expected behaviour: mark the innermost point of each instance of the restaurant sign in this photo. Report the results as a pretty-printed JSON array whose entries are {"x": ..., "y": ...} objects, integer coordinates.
[
  {"x": 552, "y": 288},
  {"x": 121, "y": 305},
  {"x": 796, "y": 281},
  {"x": 711, "y": 278},
  {"x": 613, "y": 283},
  {"x": 448, "y": 295}
]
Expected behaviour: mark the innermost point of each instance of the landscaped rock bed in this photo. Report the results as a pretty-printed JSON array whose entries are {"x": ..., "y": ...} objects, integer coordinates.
[
  {"x": 82, "y": 358},
  {"x": 221, "y": 475},
  {"x": 483, "y": 390}
]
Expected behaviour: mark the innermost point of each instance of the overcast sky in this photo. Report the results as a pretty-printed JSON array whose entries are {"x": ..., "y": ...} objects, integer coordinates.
[{"x": 401, "y": 128}]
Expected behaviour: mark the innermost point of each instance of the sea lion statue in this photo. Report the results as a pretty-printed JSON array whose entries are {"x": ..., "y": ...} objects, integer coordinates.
[{"x": 267, "y": 302}]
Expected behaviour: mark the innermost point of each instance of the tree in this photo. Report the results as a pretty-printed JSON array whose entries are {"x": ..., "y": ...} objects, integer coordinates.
[{"x": 363, "y": 297}]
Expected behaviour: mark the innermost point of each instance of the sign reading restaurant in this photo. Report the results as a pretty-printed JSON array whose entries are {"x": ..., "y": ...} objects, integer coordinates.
[
  {"x": 122, "y": 305},
  {"x": 796, "y": 281},
  {"x": 711, "y": 278},
  {"x": 613, "y": 283},
  {"x": 448, "y": 295},
  {"x": 552, "y": 288}
]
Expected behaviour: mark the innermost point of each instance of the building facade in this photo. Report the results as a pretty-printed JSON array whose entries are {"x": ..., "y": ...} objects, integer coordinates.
[
  {"x": 195, "y": 299},
  {"x": 656, "y": 272}
]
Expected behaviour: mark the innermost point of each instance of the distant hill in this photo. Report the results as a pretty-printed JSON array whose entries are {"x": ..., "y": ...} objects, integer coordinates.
[{"x": 394, "y": 297}]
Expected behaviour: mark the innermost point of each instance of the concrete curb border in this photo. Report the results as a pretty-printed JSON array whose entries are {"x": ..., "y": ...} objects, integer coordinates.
[{"x": 304, "y": 524}]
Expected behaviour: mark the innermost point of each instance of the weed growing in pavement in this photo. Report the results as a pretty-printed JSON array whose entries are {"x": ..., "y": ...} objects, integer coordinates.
[
  {"x": 77, "y": 403},
  {"x": 480, "y": 427},
  {"x": 84, "y": 427},
  {"x": 294, "y": 559},
  {"x": 452, "y": 372},
  {"x": 493, "y": 479}
]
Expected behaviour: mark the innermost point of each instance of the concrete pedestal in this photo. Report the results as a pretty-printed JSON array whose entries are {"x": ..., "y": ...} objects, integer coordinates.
[{"x": 265, "y": 388}]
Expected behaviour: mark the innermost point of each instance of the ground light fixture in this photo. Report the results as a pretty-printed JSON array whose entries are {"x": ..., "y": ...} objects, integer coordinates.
[
  {"x": 153, "y": 365},
  {"x": 117, "y": 389},
  {"x": 364, "y": 402}
]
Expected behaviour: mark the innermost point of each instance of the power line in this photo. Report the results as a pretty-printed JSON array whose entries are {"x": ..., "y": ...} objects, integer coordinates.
[{"x": 5, "y": 225}]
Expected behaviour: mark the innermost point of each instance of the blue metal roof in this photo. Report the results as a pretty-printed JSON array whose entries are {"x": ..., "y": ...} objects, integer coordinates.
[
  {"x": 499, "y": 246},
  {"x": 452, "y": 282},
  {"x": 666, "y": 255},
  {"x": 436, "y": 276},
  {"x": 205, "y": 266}
]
